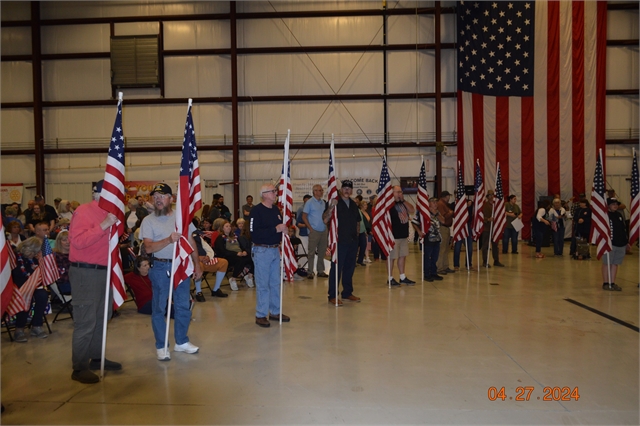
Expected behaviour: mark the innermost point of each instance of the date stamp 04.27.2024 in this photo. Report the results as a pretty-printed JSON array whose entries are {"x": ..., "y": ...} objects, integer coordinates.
[{"x": 527, "y": 393}]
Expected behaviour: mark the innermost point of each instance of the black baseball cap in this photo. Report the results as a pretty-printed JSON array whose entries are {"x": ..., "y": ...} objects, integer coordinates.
[
  {"x": 161, "y": 188},
  {"x": 98, "y": 186},
  {"x": 347, "y": 184}
]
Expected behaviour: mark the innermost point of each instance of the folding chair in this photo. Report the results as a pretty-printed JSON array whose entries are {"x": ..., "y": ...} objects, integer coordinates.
[
  {"x": 297, "y": 245},
  {"x": 66, "y": 303},
  {"x": 9, "y": 326}
]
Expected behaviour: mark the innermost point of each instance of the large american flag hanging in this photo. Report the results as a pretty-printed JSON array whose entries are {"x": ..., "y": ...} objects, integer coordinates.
[
  {"x": 332, "y": 189},
  {"x": 189, "y": 200},
  {"x": 112, "y": 199},
  {"x": 600, "y": 235},
  {"x": 422, "y": 201},
  {"x": 478, "y": 215},
  {"x": 286, "y": 202},
  {"x": 634, "y": 208},
  {"x": 499, "y": 214},
  {"x": 381, "y": 224},
  {"x": 531, "y": 94},
  {"x": 461, "y": 212}
]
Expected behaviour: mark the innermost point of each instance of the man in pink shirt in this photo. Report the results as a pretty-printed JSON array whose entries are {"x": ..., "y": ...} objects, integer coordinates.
[{"x": 88, "y": 254}]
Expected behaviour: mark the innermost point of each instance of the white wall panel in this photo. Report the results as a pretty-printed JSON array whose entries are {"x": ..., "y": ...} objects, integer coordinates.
[
  {"x": 197, "y": 76},
  {"x": 75, "y": 38},
  {"x": 303, "y": 117},
  {"x": 136, "y": 28},
  {"x": 403, "y": 117},
  {"x": 336, "y": 31},
  {"x": 448, "y": 74},
  {"x": 18, "y": 168},
  {"x": 17, "y": 126},
  {"x": 16, "y": 40},
  {"x": 196, "y": 34},
  {"x": 622, "y": 67},
  {"x": 622, "y": 24},
  {"x": 78, "y": 79},
  {"x": 622, "y": 113},
  {"x": 405, "y": 77},
  {"x": 79, "y": 122},
  {"x": 411, "y": 29},
  {"x": 448, "y": 27},
  {"x": 17, "y": 82},
  {"x": 449, "y": 117},
  {"x": 313, "y": 74},
  {"x": 16, "y": 10},
  {"x": 289, "y": 6},
  {"x": 99, "y": 9}
]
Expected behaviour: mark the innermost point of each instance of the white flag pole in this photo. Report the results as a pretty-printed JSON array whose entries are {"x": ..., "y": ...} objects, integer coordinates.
[
  {"x": 106, "y": 293},
  {"x": 284, "y": 200},
  {"x": 335, "y": 217},
  {"x": 421, "y": 242}
]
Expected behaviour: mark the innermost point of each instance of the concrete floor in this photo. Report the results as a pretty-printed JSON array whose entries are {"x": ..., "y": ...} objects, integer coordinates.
[{"x": 424, "y": 354}]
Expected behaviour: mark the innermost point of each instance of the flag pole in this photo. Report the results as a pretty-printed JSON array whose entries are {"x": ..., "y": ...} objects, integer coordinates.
[
  {"x": 421, "y": 240},
  {"x": 284, "y": 196},
  {"x": 490, "y": 242},
  {"x": 335, "y": 217},
  {"x": 106, "y": 293},
  {"x": 172, "y": 275}
]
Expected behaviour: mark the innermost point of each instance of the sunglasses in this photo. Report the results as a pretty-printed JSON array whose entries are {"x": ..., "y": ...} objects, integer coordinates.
[{"x": 270, "y": 190}]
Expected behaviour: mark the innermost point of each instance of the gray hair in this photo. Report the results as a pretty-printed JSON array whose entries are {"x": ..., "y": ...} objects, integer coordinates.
[{"x": 30, "y": 247}]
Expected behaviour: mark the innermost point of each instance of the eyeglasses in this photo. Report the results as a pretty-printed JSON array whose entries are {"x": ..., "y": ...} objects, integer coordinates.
[{"x": 274, "y": 191}]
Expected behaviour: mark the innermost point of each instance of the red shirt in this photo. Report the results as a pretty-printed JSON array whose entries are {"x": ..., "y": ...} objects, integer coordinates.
[
  {"x": 141, "y": 287},
  {"x": 89, "y": 243}
]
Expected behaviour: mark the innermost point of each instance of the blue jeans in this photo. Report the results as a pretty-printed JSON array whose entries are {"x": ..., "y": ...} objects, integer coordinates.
[
  {"x": 457, "y": 248},
  {"x": 346, "y": 265},
  {"x": 510, "y": 234},
  {"x": 160, "y": 282},
  {"x": 266, "y": 261},
  {"x": 431, "y": 252}
]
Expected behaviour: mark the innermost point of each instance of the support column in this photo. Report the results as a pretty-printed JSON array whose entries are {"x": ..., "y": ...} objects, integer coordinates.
[
  {"x": 438, "y": 84},
  {"x": 234, "y": 109},
  {"x": 385, "y": 76},
  {"x": 36, "y": 72}
]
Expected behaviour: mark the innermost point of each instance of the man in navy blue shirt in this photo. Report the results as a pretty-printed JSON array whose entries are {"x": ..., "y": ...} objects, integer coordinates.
[
  {"x": 348, "y": 225},
  {"x": 265, "y": 224}
]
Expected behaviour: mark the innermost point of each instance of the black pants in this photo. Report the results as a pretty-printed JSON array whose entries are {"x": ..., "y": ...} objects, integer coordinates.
[{"x": 346, "y": 265}]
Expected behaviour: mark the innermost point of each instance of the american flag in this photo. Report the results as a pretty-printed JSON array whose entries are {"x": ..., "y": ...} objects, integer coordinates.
[
  {"x": 499, "y": 215},
  {"x": 422, "y": 203},
  {"x": 286, "y": 202},
  {"x": 461, "y": 212},
  {"x": 50, "y": 273},
  {"x": 600, "y": 235},
  {"x": 21, "y": 301},
  {"x": 332, "y": 188},
  {"x": 531, "y": 94},
  {"x": 8, "y": 289},
  {"x": 189, "y": 200},
  {"x": 381, "y": 223},
  {"x": 634, "y": 208},
  {"x": 112, "y": 199},
  {"x": 478, "y": 202}
]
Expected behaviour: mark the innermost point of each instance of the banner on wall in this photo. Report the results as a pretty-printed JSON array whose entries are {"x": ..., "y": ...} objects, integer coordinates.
[{"x": 11, "y": 193}]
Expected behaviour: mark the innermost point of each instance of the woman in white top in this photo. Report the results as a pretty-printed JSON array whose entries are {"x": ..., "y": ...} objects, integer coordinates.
[
  {"x": 557, "y": 214},
  {"x": 64, "y": 210},
  {"x": 540, "y": 226}
]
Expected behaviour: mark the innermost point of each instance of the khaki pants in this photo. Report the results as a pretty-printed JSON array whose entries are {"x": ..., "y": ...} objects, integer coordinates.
[{"x": 443, "y": 256}]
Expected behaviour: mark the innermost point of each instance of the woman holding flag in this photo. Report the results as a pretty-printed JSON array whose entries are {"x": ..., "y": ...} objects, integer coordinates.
[{"x": 27, "y": 256}]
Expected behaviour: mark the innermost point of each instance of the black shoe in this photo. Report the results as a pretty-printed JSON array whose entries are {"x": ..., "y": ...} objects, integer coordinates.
[
  {"x": 394, "y": 283},
  {"x": 323, "y": 275},
  {"x": 515, "y": 252},
  {"x": 200, "y": 297},
  {"x": 504, "y": 252},
  {"x": 437, "y": 277},
  {"x": 486, "y": 265},
  {"x": 442, "y": 272},
  {"x": 612, "y": 287},
  {"x": 498, "y": 264},
  {"x": 407, "y": 281},
  {"x": 218, "y": 293},
  {"x": 84, "y": 376},
  {"x": 360, "y": 264},
  {"x": 108, "y": 365},
  {"x": 450, "y": 271},
  {"x": 310, "y": 276},
  {"x": 429, "y": 279}
]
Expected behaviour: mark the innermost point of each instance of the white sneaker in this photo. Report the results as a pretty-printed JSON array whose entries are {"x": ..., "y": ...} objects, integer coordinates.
[
  {"x": 186, "y": 347},
  {"x": 233, "y": 284},
  {"x": 367, "y": 260},
  {"x": 163, "y": 355},
  {"x": 249, "y": 280}
]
